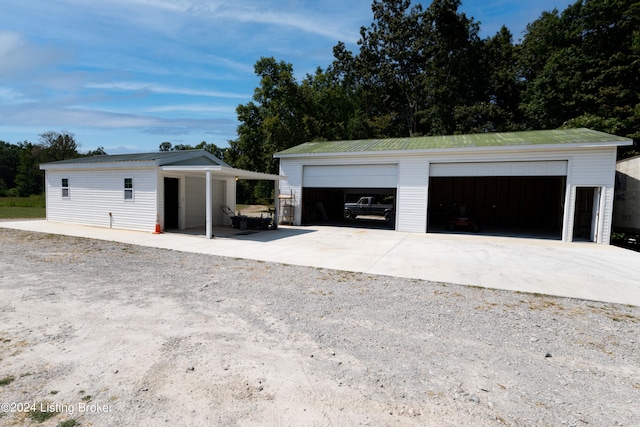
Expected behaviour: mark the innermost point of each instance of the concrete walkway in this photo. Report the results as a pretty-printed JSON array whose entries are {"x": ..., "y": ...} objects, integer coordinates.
[{"x": 578, "y": 270}]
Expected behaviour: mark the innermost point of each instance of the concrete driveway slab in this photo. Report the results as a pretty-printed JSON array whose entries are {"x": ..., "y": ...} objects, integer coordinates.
[{"x": 577, "y": 270}]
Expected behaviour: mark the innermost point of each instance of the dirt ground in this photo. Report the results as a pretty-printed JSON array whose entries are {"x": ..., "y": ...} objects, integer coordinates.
[{"x": 95, "y": 333}]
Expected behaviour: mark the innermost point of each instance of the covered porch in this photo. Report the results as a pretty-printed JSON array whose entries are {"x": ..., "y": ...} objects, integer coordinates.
[{"x": 193, "y": 196}]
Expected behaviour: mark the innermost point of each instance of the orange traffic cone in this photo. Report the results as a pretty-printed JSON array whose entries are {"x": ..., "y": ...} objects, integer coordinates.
[{"x": 158, "y": 231}]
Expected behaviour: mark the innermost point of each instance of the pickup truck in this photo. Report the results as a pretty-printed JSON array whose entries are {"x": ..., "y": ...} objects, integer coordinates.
[{"x": 366, "y": 206}]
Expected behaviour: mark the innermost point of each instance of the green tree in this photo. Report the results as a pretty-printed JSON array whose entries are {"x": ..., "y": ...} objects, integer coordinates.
[
  {"x": 165, "y": 146},
  {"x": 581, "y": 67},
  {"x": 29, "y": 178},
  {"x": 58, "y": 146},
  {"x": 97, "y": 152},
  {"x": 390, "y": 64},
  {"x": 9, "y": 162},
  {"x": 212, "y": 148},
  {"x": 272, "y": 121},
  {"x": 452, "y": 78}
]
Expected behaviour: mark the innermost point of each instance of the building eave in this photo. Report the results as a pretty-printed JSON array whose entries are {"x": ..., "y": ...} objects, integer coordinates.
[{"x": 224, "y": 171}]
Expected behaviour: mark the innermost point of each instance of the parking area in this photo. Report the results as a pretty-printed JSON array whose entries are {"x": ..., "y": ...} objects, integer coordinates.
[{"x": 579, "y": 270}]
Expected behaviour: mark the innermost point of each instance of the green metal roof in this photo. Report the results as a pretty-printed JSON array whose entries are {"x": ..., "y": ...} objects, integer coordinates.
[
  {"x": 182, "y": 157},
  {"x": 121, "y": 158},
  {"x": 526, "y": 138}
]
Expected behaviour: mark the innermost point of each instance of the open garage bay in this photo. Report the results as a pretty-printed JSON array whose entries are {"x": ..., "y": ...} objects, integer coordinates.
[{"x": 511, "y": 205}]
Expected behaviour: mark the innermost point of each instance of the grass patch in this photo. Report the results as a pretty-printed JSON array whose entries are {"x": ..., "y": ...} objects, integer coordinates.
[
  {"x": 69, "y": 423},
  {"x": 42, "y": 414},
  {"x": 6, "y": 380},
  {"x": 22, "y": 207}
]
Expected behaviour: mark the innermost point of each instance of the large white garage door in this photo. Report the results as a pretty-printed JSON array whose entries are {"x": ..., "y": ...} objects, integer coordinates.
[
  {"x": 548, "y": 168},
  {"x": 351, "y": 176}
]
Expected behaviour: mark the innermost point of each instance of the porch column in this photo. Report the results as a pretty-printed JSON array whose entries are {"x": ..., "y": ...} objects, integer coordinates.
[
  {"x": 276, "y": 203},
  {"x": 209, "y": 219}
]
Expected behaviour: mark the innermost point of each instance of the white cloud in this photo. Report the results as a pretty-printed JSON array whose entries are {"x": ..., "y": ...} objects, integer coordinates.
[
  {"x": 12, "y": 96},
  {"x": 18, "y": 56},
  {"x": 162, "y": 89},
  {"x": 194, "y": 108}
]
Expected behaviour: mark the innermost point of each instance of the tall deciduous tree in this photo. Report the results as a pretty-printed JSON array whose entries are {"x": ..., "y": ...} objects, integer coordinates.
[
  {"x": 390, "y": 64},
  {"x": 273, "y": 121},
  {"x": 9, "y": 162},
  {"x": 454, "y": 76},
  {"x": 582, "y": 67},
  {"x": 58, "y": 146},
  {"x": 29, "y": 179}
]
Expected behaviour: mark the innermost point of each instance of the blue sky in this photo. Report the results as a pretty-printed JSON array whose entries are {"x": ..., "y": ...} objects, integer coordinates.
[{"x": 129, "y": 74}]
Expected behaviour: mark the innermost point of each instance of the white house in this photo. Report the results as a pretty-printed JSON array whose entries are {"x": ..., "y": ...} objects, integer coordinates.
[
  {"x": 626, "y": 212},
  {"x": 554, "y": 184},
  {"x": 177, "y": 189}
]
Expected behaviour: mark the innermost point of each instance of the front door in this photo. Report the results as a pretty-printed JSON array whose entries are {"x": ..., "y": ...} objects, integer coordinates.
[
  {"x": 171, "y": 203},
  {"x": 587, "y": 214}
]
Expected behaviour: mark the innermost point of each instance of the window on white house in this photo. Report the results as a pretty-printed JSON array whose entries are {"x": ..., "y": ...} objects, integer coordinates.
[
  {"x": 128, "y": 188},
  {"x": 65, "y": 188}
]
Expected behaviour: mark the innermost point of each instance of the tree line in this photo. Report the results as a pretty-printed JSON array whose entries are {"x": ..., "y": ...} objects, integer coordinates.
[
  {"x": 426, "y": 71},
  {"x": 420, "y": 71},
  {"x": 20, "y": 173}
]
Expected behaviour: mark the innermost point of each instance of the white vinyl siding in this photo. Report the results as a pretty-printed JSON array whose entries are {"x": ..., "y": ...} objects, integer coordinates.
[{"x": 96, "y": 194}]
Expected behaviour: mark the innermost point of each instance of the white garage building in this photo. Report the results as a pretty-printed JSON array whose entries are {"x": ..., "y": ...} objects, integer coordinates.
[
  {"x": 175, "y": 189},
  {"x": 553, "y": 184}
]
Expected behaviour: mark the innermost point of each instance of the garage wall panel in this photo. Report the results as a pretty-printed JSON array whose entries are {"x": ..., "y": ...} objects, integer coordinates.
[
  {"x": 350, "y": 176},
  {"x": 411, "y": 202},
  {"x": 548, "y": 168}
]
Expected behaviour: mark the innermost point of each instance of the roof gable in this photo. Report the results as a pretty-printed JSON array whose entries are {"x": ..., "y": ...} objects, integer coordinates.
[{"x": 480, "y": 140}]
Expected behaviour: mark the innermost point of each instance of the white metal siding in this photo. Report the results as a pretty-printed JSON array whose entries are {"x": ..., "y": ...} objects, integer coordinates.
[
  {"x": 592, "y": 168},
  {"x": 195, "y": 202},
  {"x": 292, "y": 186},
  {"x": 95, "y": 194},
  {"x": 218, "y": 187},
  {"x": 350, "y": 176},
  {"x": 539, "y": 168},
  {"x": 412, "y": 194},
  {"x": 583, "y": 167}
]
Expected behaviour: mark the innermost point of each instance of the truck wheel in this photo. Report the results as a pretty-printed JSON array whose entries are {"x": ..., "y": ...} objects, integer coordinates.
[{"x": 347, "y": 214}]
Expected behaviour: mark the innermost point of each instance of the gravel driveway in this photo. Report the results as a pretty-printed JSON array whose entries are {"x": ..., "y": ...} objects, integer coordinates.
[{"x": 112, "y": 334}]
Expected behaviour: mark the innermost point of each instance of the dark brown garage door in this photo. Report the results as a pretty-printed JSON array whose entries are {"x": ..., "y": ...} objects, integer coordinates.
[{"x": 512, "y": 205}]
